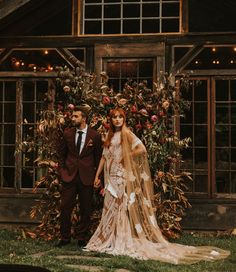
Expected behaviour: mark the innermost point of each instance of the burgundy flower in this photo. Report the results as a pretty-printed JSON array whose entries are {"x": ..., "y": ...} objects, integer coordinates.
[
  {"x": 106, "y": 100},
  {"x": 133, "y": 109}
]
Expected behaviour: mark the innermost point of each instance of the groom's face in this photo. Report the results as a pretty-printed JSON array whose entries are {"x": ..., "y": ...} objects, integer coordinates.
[{"x": 77, "y": 118}]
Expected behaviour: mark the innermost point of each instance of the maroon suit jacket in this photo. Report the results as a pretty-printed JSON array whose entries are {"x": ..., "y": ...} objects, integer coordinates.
[{"x": 72, "y": 163}]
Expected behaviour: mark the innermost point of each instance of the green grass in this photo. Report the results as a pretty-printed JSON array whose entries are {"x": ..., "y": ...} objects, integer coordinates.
[{"x": 17, "y": 250}]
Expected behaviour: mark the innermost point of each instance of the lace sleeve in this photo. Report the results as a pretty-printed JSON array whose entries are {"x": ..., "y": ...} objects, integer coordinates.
[{"x": 134, "y": 140}]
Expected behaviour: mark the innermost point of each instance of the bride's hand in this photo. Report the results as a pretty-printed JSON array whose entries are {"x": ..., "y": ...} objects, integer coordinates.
[{"x": 97, "y": 182}]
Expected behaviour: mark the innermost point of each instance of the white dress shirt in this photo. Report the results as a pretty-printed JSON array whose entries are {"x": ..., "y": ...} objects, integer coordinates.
[{"x": 83, "y": 137}]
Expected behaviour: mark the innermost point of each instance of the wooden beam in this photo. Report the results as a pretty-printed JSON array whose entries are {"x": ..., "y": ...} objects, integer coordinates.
[
  {"x": 88, "y": 40},
  {"x": 7, "y": 7},
  {"x": 186, "y": 59}
]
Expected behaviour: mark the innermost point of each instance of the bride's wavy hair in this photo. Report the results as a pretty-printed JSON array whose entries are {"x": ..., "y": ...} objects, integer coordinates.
[{"x": 112, "y": 130}]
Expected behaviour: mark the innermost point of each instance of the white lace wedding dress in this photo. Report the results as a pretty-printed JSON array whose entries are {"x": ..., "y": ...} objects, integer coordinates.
[{"x": 120, "y": 234}]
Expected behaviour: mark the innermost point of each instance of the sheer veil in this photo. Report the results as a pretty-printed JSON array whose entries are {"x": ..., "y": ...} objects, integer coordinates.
[{"x": 141, "y": 212}]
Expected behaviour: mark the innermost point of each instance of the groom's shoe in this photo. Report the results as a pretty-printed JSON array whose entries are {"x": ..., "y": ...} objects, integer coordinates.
[
  {"x": 62, "y": 243},
  {"x": 81, "y": 244}
]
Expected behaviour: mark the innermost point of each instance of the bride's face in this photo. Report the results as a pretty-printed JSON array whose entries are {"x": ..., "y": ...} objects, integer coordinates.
[{"x": 117, "y": 120}]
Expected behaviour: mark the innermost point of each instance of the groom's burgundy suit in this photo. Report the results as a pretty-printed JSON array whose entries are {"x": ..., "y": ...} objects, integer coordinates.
[{"x": 77, "y": 172}]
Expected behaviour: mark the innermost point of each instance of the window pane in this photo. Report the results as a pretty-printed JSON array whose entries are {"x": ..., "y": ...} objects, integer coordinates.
[
  {"x": 222, "y": 158},
  {"x": 112, "y": 11},
  {"x": 10, "y": 112},
  {"x": 10, "y": 91},
  {"x": 111, "y": 27},
  {"x": 233, "y": 90},
  {"x": 7, "y": 176},
  {"x": 131, "y": 10},
  {"x": 222, "y": 181},
  {"x": 170, "y": 25},
  {"x": 28, "y": 91},
  {"x": 113, "y": 69},
  {"x": 200, "y": 135},
  {"x": 150, "y": 26},
  {"x": 200, "y": 113},
  {"x": 233, "y": 182},
  {"x": 27, "y": 177},
  {"x": 222, "y": 135},
  {"x": 42, "y": 88},
  {"x": 170, "y": 9},
  {"x": 187, "y": 117},
  {"x": 233, "y": 113},
  {"x": 115, "y": 84},
  {"x": 187, "y": 156},
  {"x": 222, "y": 90},
  {"x": 129, "y": 69},
  {"x": 150, "y": 10},
  {"x": 222, "y": 113},
  {"x": 200, "y": 182},
  {"x": 131, "y": 26},
  {"x": 93, "y": 27},
  {"x": 28, "y": 112},
  {"x": 186, "y": 131},
  {"x": 200, "y": 157},
  {"x": 233, "y": 136},
  {"x": 93, "y": 11},
  {"x": 200, "y": 90},
  {"x": 9, "y": 133}
]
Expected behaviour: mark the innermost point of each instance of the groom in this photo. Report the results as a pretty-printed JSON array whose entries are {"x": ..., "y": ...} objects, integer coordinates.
[{"x": 79, "y": 155}]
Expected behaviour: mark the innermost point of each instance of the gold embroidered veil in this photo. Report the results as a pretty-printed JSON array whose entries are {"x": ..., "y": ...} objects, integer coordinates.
[{"x": 141, "y": 212}]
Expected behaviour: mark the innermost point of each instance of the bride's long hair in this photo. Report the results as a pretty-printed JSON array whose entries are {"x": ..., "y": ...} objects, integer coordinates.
[{"x": 112, "y": 128}]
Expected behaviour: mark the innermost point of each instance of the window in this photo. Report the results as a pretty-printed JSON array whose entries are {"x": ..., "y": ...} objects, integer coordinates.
[
  {"x": 130, "y": 16},
  {"x": 20, "y": 100},
  {"x": 195, "y": 125},
  {"x": 121, "y": 70},
  {"x": 211, "y": 123}
]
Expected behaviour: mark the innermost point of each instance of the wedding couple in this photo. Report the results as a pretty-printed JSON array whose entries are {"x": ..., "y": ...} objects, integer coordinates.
[{"x": 128, "y": 224}]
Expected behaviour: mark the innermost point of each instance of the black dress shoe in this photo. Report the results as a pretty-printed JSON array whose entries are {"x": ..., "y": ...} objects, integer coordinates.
[
  {"x": 62, "y": 243},
  {"x": 81, "y": 243}
]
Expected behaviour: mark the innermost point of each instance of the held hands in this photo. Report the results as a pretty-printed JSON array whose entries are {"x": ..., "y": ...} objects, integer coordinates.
[{"x": 97, "y": 183}]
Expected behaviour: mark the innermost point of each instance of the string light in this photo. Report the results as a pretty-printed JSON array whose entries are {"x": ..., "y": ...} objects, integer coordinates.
[{"x": 213, "y": 49}]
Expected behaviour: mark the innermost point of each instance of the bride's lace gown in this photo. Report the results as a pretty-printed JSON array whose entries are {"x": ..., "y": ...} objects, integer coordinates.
[{"x": 115, "y": 234}]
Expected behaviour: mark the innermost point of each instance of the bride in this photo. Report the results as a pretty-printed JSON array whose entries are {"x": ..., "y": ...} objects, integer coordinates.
[{"x": 128, "y": 225}]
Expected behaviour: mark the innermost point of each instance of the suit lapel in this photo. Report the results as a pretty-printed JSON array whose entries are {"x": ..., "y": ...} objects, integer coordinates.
[{"x": 72, "y": 139}]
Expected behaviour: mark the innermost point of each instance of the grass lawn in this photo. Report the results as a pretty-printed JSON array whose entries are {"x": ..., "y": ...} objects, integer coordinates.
[{"x": 17, "y": 250}]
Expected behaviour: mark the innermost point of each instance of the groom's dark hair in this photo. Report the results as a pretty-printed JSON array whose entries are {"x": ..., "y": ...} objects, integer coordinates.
[{"x": 82, "y": 110}]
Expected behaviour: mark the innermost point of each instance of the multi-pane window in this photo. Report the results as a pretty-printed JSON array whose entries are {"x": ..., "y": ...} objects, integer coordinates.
[
  {"x": 130, "y": 16},
  {"x": 122, "y": 70},
  {"x": 225, "y": 131},
  {"x": 211, "y": 123},
  {"x": 7, "y": 132},
  {"x": 195, "y": 125},
  {"x": 20, "y": 104}
]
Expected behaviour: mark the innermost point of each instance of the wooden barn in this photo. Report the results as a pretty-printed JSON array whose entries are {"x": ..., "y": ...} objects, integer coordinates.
[{"x": 127, "y": 38}]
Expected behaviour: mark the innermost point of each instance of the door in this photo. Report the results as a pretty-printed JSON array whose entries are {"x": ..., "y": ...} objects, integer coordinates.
[{"x": 211, "y": 123}]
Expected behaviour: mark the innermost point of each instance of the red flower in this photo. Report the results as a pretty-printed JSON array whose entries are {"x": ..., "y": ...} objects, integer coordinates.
[
  {"x": 106, "y": 100},
  {"x": 106, "y": 125},
  {"x": 138, "y": 126},
  {"x": 154, "y": 118},
  {"x": 133, "y": 109},
  {"x": 161, "y": 113}
]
